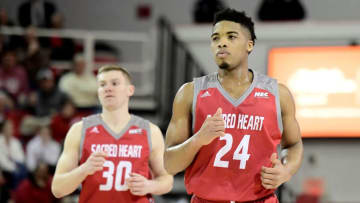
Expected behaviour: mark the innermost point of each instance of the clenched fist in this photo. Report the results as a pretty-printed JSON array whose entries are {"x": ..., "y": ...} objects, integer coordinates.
[
  {"x": 95, "y": 162},
  {"x": 212, "y": 128}
]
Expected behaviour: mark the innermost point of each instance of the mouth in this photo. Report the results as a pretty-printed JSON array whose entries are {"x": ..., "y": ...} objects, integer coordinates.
[{"x": 222, "y": 54}]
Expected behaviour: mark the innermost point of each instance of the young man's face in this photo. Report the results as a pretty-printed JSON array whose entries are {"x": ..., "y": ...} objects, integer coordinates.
[
  {"x": 114, "y": 90},
  {"x": 230, "y": 44}
]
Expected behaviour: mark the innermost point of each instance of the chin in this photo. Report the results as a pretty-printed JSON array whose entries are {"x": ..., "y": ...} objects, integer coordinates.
[
  {"x": 110, "y": 107},
  {"x": 224, "y": 66}
]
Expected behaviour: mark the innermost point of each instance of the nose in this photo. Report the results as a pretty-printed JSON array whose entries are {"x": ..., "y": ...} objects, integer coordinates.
[
  {"x": 108, "y": 88},
  {"x": 222, "y": 44}
]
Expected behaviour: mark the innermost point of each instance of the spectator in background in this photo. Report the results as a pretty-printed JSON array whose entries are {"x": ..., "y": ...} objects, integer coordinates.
[
  {"x": 80, "y": 85},
  {"x": 34, "y": 54},
  {"x": 12, "y": 157},
  {"x": 9, "y": 112},
  {"x": 204, "y": 10},
  {"x": 47, "y": 100},
  {"x": 36, "y": 12},
  {"x": 6, "y": 104},
  {"x": 61, "y": 48},
  {"x": 8, "y": 40},
  {"x": 4, "y": 192},
  {"x": 62, "y": 121},
  {"x": 36, "y": 188},
  {"x": 13, "y": 78},
  {"x": 42, "y": 148},
  {"x": 4, "y": 19}
]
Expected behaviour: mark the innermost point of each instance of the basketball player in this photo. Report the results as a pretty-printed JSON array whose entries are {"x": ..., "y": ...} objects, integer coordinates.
[
  {"x": 113, "y": 154},
  {"x": 226, "y": 126}
]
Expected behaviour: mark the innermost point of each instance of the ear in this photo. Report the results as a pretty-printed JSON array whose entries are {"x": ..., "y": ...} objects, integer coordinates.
[
  {"x": 250, "y": 46},
  {"x": 131, "y": 90}
]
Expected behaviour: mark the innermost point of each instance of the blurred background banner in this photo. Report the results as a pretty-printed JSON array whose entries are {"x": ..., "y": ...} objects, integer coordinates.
[{"x": 325, "y": 84}]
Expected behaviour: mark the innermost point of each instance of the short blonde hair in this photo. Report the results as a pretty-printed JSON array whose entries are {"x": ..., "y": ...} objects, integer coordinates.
[{"x": 108, "y": 68}]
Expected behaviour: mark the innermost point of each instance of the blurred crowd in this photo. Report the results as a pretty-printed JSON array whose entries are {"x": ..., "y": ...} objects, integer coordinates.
[{"x": 38, "y": 101}]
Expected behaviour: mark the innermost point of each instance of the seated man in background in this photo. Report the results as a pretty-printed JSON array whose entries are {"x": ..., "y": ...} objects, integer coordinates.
[{"x": 80, "y": 85}]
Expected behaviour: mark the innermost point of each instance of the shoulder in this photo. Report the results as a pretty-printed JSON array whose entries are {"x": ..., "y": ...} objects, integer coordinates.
[
  {"x": 33, "y": 143},
  {"x": 157, "y": 138},
  {"x": 73, "y": 138},
  {"x": 16, "y": 142},
  {"x": 185, "y": 92},
  {"x": 264, "y": 80},
  {"x": 67, "y": 77},
  {"x": 187, "y": 88},
  {"x": 284, "y": 92},
  {"x": 184, "y": 98},
  {"x": 154, "y": 129},
  {"x": 77, "y": 126},
  {"x": 287, "y": 102},
  {"x": 74, "y": 132}
]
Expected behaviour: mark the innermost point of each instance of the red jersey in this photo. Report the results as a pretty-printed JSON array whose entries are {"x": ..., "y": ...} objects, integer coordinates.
[
  {"x": 128, "y": 151},
  {"x": 228, "y": 169}
]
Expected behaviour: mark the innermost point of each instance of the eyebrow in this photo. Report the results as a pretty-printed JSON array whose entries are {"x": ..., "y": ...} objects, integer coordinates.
[
  {"x": 111, "y": 80},
  {"x": 230, "y": 32}
]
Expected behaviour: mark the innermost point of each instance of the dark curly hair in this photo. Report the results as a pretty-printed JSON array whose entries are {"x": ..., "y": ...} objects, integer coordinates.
[{"x": 237, "y": 17}]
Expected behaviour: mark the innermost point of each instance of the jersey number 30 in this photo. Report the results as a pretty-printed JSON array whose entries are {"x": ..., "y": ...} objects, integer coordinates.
[
  {"x": 119, "y": 176},
  {"x": 241, "y": 152}
]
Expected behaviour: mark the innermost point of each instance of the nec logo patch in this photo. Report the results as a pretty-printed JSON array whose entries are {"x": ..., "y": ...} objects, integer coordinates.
[
  {"x": 261, "y": 94},
  {"x": 135, "y": 131}
]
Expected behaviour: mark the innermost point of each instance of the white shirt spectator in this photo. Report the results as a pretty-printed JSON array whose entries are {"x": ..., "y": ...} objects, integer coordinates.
[
  {"x": 42, "y": 148},
  {"x": 80, "y": 85},
  {"x": 10, "y": 153},
  {"x": 82, "y": 89}
]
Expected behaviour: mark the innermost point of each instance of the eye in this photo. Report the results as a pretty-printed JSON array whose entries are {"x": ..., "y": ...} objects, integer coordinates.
[
  {"x": 232, "y": 37},
  {"x": 115, "y": 83},
  {"x": 215, "y": 38}
]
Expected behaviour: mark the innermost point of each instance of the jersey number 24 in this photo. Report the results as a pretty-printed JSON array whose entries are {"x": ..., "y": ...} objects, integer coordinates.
[{"x": 241, "y": 152}]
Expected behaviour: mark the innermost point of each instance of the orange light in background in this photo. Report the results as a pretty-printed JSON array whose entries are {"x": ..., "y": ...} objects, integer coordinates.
[{"x": 325, "y": 83}]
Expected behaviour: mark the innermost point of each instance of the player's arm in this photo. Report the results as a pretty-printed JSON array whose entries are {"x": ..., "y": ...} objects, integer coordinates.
[
  {"x": 68, "y": 175},
  {"x": 162, "y": 182},
  {"x": 180, "y": 148},
  {"x": 291, "y": 143}
]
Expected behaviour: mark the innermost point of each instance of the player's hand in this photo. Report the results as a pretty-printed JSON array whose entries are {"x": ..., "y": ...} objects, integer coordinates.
[
  {"x": 273, "y": 177},
  {"x": 138, "y": 184},
  {"x": 95, "y": 162},
  {"x": 212, "y": 128}
]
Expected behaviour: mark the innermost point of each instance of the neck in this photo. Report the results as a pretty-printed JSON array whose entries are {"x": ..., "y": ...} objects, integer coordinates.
[
  {"x": 239, "y": 75},
  {"x": 116, "y": 117}
]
